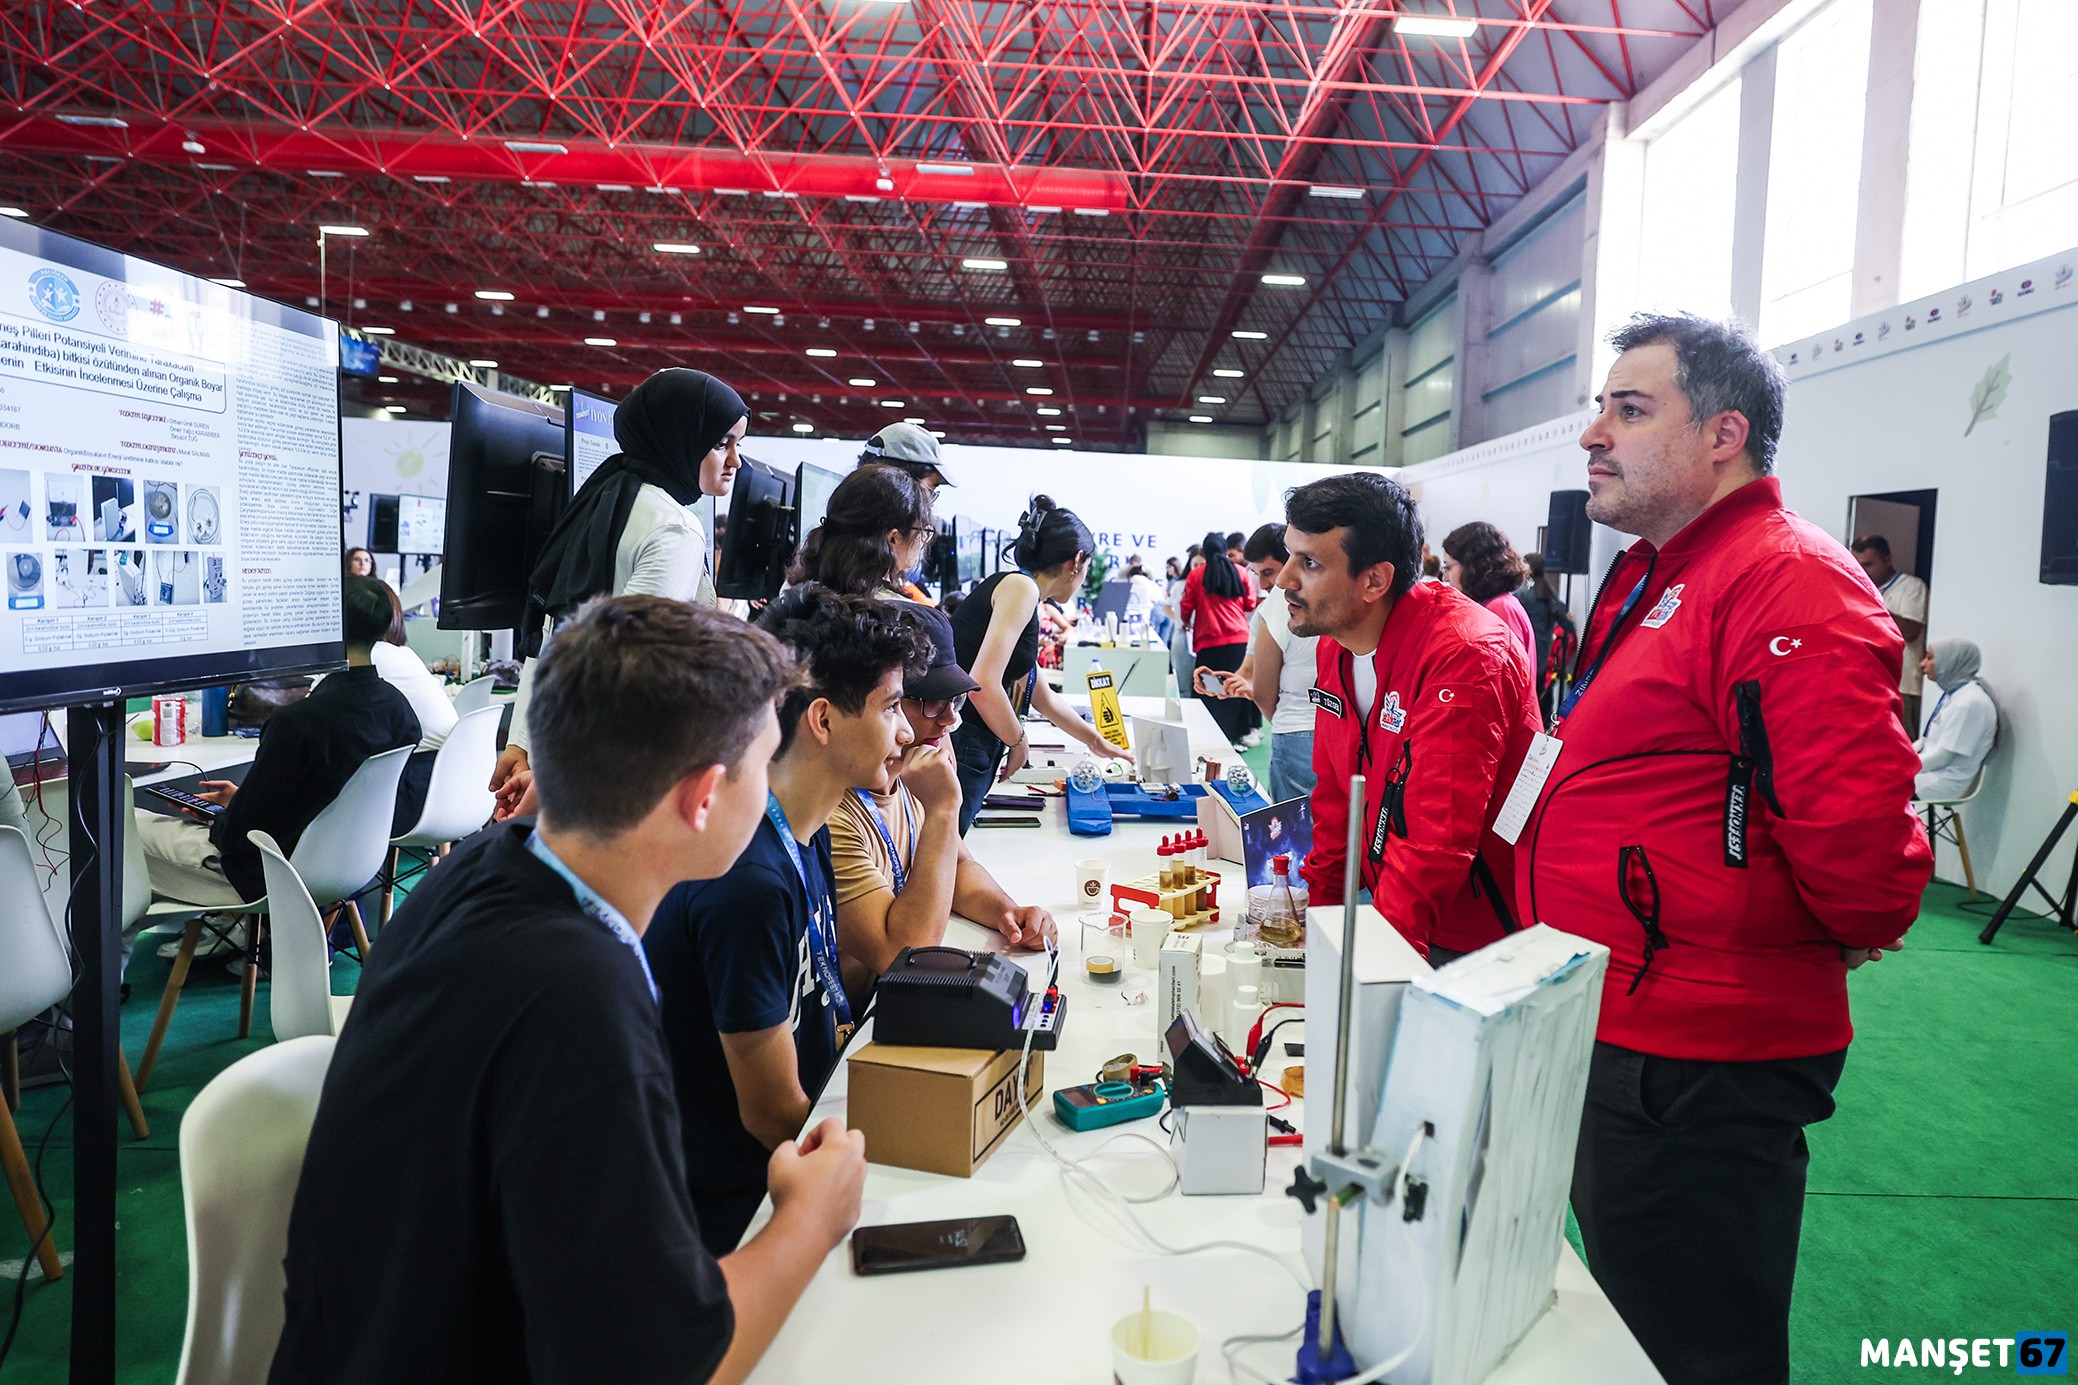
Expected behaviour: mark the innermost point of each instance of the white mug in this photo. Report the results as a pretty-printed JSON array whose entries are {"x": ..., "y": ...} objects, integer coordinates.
[
  {"x": 1092, "y": 877},
  {"x": 1149, "y": 927}
]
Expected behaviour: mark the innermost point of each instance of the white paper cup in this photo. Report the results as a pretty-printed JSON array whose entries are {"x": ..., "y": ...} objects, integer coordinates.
[
  {"x": 1154, "y": 1349},
  {"x": 1092, "y": 878},
  {"x": 1149, "y": 927}
]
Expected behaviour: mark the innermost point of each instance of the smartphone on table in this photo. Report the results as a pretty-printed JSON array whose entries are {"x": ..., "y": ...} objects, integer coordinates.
[{"x": 936, "y": 1245}]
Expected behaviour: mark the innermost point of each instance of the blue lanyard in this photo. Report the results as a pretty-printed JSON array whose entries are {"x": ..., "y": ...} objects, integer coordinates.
[
  {"x": 1602, "y": 655},
  {"x": 887, "y": 838},
  {"x": 822, "y": 935},
  {"x": 1936, "y": 714},
  {"x": 588, "y": 900}
]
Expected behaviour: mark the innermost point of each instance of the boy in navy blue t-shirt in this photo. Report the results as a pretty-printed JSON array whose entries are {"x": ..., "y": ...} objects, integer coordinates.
[{"x": 746, "y": 965}]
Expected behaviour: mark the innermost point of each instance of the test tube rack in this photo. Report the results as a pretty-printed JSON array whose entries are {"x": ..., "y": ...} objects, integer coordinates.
[{"x": 1192, "y": 906}]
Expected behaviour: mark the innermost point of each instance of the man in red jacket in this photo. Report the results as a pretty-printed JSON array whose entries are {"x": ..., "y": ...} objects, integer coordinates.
[
  {"x": 1422, "y": 691},
  {"x": 1728, "y": 813}
]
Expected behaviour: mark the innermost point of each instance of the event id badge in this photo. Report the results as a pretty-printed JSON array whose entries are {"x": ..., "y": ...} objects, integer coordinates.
[{"x": 1529, "y": 787}]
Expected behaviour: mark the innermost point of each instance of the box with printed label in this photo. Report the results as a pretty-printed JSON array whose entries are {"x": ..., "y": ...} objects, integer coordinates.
[
  {"x": 941, "y": 1110},
  {"x": 1178, "y": 977}
]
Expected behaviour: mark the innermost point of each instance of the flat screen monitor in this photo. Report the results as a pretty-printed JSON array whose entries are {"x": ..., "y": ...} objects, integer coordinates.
[
  {"x": 506, "y": 487},
  {"x": 26, "y": 737},
  {"x": 812, "y": 487},
  {"x": 169, "y": 503},
  {"x": 757, "y": 543},
  {"x": 382, "y": 523},
  {"x": 421, "y": 524},
  {"x": 591, "y": 439},
  {"x": 358, "y": 355}
]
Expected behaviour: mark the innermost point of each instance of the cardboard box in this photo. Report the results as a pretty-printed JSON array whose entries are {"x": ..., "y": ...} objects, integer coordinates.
[
  {"x": 941, "y": 1110},
  {"x": 1178, "y": 981}
]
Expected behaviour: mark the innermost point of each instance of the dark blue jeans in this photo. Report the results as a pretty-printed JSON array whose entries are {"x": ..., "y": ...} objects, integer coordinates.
[{"x": 977, "y": 751}]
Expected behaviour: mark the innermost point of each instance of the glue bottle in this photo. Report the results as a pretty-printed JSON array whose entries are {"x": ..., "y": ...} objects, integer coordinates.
[{"x": 1242, "y": 1014}]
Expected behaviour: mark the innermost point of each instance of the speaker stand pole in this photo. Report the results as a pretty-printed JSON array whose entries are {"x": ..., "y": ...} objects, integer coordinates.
[
  {"x": 96, "y": 752},
  {"x": 2064, "y": 907}
]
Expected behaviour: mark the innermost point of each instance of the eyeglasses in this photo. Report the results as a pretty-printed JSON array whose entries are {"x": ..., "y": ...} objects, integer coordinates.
[
  {"x": 928, "y": 533},
  {"x": 934, "y": 708}
]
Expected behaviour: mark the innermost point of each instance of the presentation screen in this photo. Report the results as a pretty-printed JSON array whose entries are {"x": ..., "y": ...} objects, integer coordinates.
[
  {"x": 421, "y": 523},
  {"x": 169, "y": 478},
  {"x": 591, "y": 435}
]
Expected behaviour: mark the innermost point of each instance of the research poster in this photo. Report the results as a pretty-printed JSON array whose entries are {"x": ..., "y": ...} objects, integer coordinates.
[
  {"x": 591, "y": 435},
  {"x": 169, "y": 472}
]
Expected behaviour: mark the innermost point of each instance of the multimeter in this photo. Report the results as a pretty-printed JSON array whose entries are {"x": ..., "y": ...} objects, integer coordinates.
[{"x": 1098, "y": 1104}]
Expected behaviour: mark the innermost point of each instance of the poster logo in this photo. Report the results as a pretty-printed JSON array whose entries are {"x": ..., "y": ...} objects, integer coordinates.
[
  {"x": 112, "y": 306},
  {"x": 54, "y": 295}
]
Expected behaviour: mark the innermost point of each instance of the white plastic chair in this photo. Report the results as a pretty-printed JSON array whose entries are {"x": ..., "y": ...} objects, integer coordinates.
[
  {"x": 458, "y": 798},
  {"x": 474, "y": 695},
  {"x": 341, "y": 851},
  {"x": 35, "y": 974},
  {"x": 241, "y": 1154},
  {"x": 1944, "y": 822},
  {"x": 299, "y": 998}
]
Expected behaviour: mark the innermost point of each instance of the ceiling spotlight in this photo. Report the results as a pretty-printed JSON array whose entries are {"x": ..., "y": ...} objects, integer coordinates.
[
  {"x": 1251, "y": 336},
  {"x": 1027, "y": 362},
  {"x": 1212, "y": 399},
  {"x": 643, "y": 317},
  {"x": 976, "y": 262},
  {"x": 1201, "y": 418},
  {"x": 601, "y": 341},
  {"x": 482, "y": 364},
  {"x": 598, "y": 314},
  {"x": 385, "y": 379},
  {"x": 1004, "y": 321},
  {"x": 541, "y": 311},
  {"x": 863, "y": 382},
  {"x": 1230, "y": 374},
  {"x": 494, "y": 295},
  {"x": 342, "y": 230},
  {"x": 1047, "y": 411},
  {"x": 405, "y": 306},
  {"x": 768, "y": 312},
  {"x": 804, "y": 427},
  {"x": 678, "y": 319},
  {"x": 675, "y": 247},
  {"x": 1434, "y": 26},
  {"x": 1285, "y": 281},
  {"x": 536, "y": 146},
  {"x": 227, "y": 283},
  {"x": 378, "y": 331},
  {"x": 1336, "y": 190},
  {"x": 1038, "y": 389},
  {"x": 823, "y": 352}
]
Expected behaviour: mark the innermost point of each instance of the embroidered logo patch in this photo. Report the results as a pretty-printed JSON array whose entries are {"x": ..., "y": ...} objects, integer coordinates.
[
  {"x": 1326, "y": 701},
  {"x": 1669, "y": 603},
  {"x": 1392, "y": 716}
]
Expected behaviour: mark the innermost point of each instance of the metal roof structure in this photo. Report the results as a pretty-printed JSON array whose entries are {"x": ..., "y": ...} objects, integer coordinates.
[{"x": 961, "y": 210}]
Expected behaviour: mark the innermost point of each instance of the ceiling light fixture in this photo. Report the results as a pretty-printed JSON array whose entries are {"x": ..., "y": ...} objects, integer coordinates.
[
  {"x": 1027, "y": 362},
  {"x": 977, "y": 262},
  {"x": 1056, "y": 427},
  {"x": 1201, "y": 418},
  {"x": 1038, "y": 390},
  {"x": 365, "y": 331},
  {"x": 1062, "y": 442},
  {"x": 804, "y": 427},
  {"x": 111, "y": 122},
  {"x": 342, "y": 230},
  {"x": 1212, "y": 399},
  {"x": 675, "y": 247},
  {"x": 863, "y": 382},
  {"x": 1285, "y": 281},
  {"x": 431, "y": 178},
  {"x": 894, "y": 404},
  {"x": 536, "y": 146},
  {"x": 1004, "y": 321},
  {"x": 1091, "y": 211},
  {"x": 482, "y": 364},
  {"x": 821, "y": 351},
  {"x": 394, "y": 409},
  {"x": 1335, "y": 190},
  {"x": 601, "y": 341},
  {"x": 1230, "y": 374},
  {"x": 857, "y": 197},
  {"x": 1434, "y": 26},
  {"x": 1251, "y": 336},
  {"x": 616, "y": 187},
  {"x": 227, "y": 283},
  {"x": 950, "y": 170},
  {"x": 15, "y": 212},
  {"x": 1047, "y": 411},
  {"x": 385, "y": 379},
  {"x": 767, "y": 312},
  {"x": 494, "y": 295}
]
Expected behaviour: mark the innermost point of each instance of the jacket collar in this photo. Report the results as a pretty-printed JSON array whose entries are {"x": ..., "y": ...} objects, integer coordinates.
[{"x": 1751, "y": 499}]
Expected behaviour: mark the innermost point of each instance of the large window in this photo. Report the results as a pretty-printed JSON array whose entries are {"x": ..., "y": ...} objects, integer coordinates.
[
  {"x": 1431, "y": 387},
  {"x": 1992, "y": 180},
  {"x": 1535, "y": 331},
  {"x": 1815, "y": 172},
  {"x": 1691, "y": 185}
]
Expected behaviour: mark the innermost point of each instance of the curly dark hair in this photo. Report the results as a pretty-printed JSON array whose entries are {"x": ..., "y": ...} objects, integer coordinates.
[
  {"x": 1491, "y": 565},
  {"x": 849, "y": 551},
  {"x": 1375, "y": 513},
  {"x": 846, "y": 645}
]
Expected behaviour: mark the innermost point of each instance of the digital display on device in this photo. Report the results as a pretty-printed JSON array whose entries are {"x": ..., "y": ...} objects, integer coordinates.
[
  {"x": 169, "y": 467},
  {"x": 936, "y": 1245},
  {"x": 421, "y": 524}
]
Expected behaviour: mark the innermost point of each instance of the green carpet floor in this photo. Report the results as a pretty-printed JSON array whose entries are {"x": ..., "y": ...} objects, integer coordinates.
[{"x": 1944, "y": 1196}]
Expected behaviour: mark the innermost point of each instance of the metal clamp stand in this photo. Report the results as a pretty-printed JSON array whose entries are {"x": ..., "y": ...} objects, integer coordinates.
[
  {"x": 2031, "y": 876},
  {"x": 96, "y": 752}
]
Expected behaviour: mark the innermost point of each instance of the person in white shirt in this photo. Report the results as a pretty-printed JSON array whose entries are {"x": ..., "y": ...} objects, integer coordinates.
[
  {"x": 631, "y": 530},
  {"x": 1904, "y": 596},
  {"x": 1278, "y": 674},
  {"x": 403, "y": 669},
  {"x": 1962, "y": 728}
]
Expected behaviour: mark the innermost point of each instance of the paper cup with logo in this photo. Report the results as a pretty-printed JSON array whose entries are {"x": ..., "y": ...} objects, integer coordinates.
[
  {"x": 1148, "y": 927},
  {"x": 1092, "y": 878},
  {"x": 1154, "y": 1349}
]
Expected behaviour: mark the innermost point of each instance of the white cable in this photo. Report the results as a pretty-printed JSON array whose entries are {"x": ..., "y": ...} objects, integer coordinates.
[
  {"x": 1421, "y": 1316},
  {"x": 1233, "y": 1345}
]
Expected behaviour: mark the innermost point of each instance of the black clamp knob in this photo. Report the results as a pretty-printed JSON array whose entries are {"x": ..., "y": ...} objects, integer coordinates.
[{"x": 1306, "y": 1188}]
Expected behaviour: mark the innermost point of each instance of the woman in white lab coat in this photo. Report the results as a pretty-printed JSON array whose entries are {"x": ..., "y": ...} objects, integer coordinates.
[{"x": 1962, "y": 727}]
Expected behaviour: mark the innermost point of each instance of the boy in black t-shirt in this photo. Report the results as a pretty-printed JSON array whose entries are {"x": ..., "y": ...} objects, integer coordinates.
[
  {"x": 505, "y": 1068},
  {"x": 746, "y": 965}
]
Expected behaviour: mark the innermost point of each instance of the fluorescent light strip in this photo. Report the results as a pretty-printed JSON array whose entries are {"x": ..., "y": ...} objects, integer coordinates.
[
  {"x": 1251, "y": 336},
  {"x": 1434, "y": 26},
  {"x": 975, "y": 262},
  {"x": 1040, "y": 390},
  {"x": 106, "y": 122},
  {"x": 1201, "y": 418},
  {"x": 1004, "y": 321},
  {"x": 863, "y": 382},
  {"x": 675, "y": 247},
  {"x": 1346, "y": 194},
  {"x": 1045, "y": 412},
  {"x": 1028, "y": 363},
  {"x": 365, "y": 331},
  {"x": 950, "y": 170},
  {"x": 762, "y": 311},
  {"x": 1212, "y": 399},
  {"x": 1230, "y": 374},
  {"x": 822, "y": 352},
  {"x": 1285, "y": 281},
  {"x": 483, "y": 364},
  {"x": 494, "y": 295},
  {"x": 342, "y": 230},
  {"x": 536, "y": 146},
  {"x": 600, "y": 341},
  {"x": 227, "y": 283}
]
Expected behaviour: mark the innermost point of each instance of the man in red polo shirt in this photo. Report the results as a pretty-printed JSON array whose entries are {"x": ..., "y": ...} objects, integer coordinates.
[
  {"x": 1422, "y": 691},
  {"x": 1728, "y": 813}
]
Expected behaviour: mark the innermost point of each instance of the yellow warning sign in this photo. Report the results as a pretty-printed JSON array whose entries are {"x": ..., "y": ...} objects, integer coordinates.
[{"x": 1104, "y": 707}]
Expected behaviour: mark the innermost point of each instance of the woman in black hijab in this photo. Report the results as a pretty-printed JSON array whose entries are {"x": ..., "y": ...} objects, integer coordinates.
[{"x": 631, "y": 528}]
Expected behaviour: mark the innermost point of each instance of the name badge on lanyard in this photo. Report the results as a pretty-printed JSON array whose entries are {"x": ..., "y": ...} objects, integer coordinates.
[
  {"x": 887, "y": 837},
  {"x": 822, "y": 929}
]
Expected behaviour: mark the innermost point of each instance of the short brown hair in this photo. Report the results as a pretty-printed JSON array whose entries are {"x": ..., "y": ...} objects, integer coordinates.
[
  {"x": 1491, "y": 566},
  {"x": 636, "y": 692}
]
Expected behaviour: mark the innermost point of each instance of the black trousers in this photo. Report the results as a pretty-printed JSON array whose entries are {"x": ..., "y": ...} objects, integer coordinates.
[
  {"x": 1689, "y": 1188},
  {"x": 1231, "y": 713}
]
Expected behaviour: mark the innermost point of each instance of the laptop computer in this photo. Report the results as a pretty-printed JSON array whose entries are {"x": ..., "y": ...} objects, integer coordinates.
[{"x": 34, "y": 751}]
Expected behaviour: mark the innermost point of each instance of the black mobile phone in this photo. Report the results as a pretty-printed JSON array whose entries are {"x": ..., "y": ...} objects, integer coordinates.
[
  {"x": 1006, "y": 822},
  {"x": 935, "y": 1245}
]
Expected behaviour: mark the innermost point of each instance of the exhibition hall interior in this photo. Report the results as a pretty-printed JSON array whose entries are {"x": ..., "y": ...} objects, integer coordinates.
[{"x": 1158, "y": 691}]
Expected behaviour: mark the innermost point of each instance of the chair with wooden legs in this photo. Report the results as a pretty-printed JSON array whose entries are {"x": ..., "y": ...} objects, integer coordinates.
[
  {"x": 1944, "y": 822},
  {"x": 35, "y": 975},
  {"x": 458, "y": 801},
  {"x": 338, "y": 856}
]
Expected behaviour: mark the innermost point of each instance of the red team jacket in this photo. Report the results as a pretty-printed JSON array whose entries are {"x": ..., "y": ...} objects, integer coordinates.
[
  {"x": 1456, "y": 711},
  {"x": 1730, "y": 806}
]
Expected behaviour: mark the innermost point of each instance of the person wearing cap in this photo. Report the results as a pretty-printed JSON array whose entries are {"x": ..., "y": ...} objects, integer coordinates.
[
  {"x": 910, "y": 448},
  {"x": 900, "y": 866}
]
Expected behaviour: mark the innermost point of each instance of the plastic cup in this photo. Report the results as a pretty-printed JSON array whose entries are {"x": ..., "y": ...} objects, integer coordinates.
[
  {"x": 1149, "y": 927},
  {"x": 1154, "y": 1349}
]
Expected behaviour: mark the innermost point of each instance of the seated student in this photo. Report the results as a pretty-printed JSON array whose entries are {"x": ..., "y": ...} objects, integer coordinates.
[
  {"x": 901, "y": 869},
  {"x": 1962, "y": 728},
  {"x": 505, "y": 1067},
  {"x": 746, "y": 965},
  {"x": 307, "y": 752}
]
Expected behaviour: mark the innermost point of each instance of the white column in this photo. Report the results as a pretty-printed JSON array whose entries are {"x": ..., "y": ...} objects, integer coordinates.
[
  {"x": 1879, "y": 238},
  {"x": 1750, "y": 198}
]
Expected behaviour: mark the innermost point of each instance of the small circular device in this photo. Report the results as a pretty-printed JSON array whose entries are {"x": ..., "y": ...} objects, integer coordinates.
[{"x": 1103, "y": 970}]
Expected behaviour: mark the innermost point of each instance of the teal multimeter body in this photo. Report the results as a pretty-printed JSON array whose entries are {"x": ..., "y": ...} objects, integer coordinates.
[{"x": 1098, "y": 1104}]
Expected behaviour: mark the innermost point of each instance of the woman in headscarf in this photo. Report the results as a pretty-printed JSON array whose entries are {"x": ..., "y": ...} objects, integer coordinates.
[
  {"x": 631, "y": 529},
  {"x": 1961, "y": 729}
]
